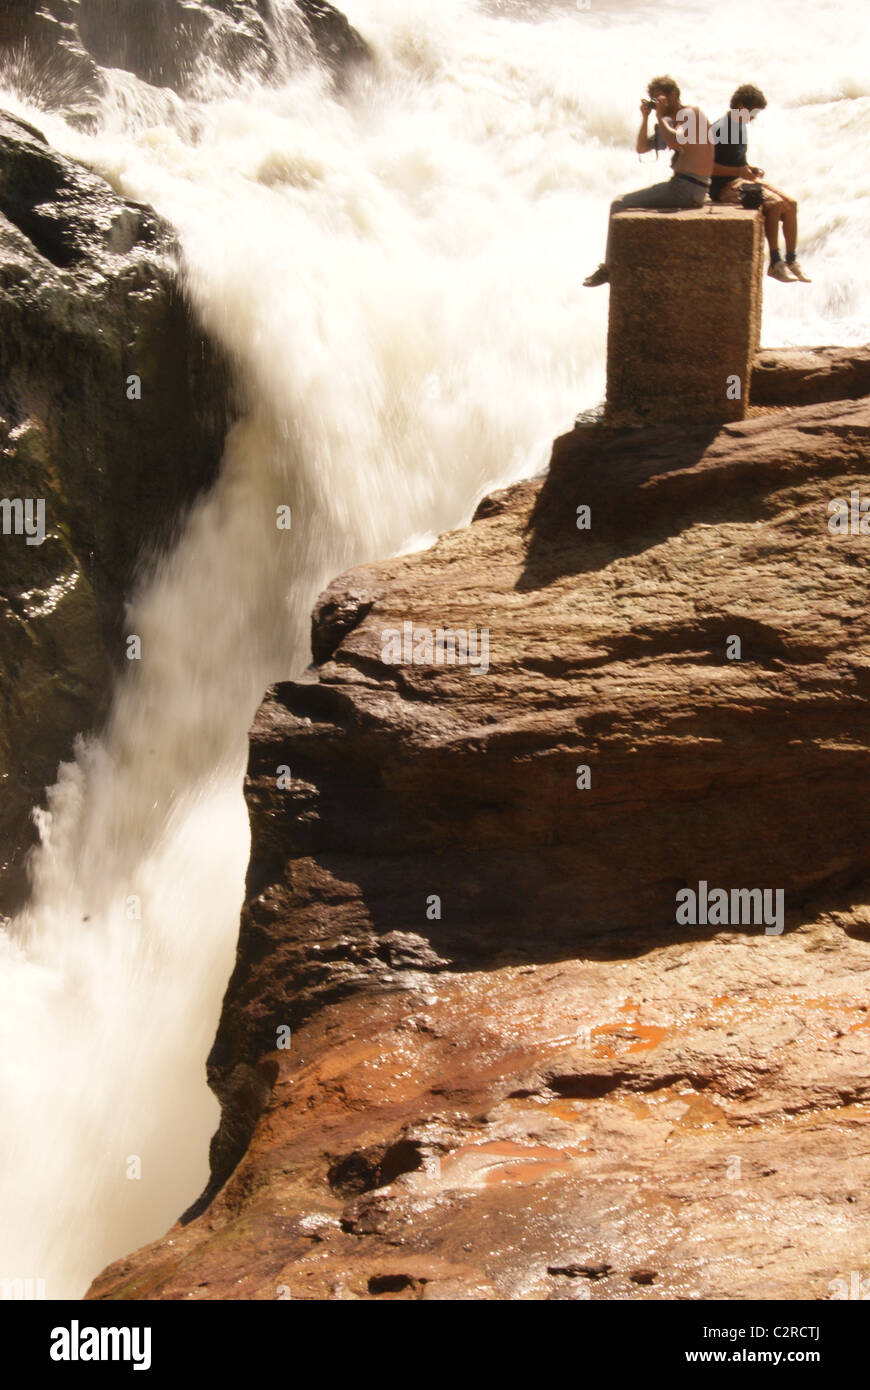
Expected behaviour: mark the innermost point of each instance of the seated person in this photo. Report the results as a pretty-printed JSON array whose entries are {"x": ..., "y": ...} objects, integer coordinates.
[
  {"x": 731, "y": 173},
  {"x": 692, "y": 161}
]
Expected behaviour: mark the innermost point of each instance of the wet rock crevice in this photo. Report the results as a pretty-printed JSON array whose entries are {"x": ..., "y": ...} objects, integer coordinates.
[{"x": 114, "y": 409}]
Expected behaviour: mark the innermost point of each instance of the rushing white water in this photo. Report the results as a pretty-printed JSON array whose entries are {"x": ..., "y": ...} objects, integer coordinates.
[{"x": 397, "y": 274}]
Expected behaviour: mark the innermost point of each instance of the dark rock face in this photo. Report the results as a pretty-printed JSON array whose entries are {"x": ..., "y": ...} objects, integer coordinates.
[
  {"x": 42, "y": 44},
  {"x": 66, "y": 43},
  {"x": 513, "y": 1071},
  {"x": 337, "y": 42},
  {"x": 89, "y": 298}
]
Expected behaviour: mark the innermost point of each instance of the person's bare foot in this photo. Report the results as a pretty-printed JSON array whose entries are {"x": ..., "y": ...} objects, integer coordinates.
[
  {"x": 601, "y": 276},
  {"x": 797, "y": 271},
  {"x": 780, "y": 271}
]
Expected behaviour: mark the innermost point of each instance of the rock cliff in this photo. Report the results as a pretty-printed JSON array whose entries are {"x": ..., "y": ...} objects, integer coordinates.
[
  {"x": 60, "y": 48},
  {"x": 90, "y": 296},
  {"x": 90, "y": 303},
  {"x": 469, "y": 1049}
]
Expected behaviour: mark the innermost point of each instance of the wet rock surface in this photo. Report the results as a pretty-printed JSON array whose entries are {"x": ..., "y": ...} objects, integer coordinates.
[
  {"x": 513, "y": 1073},
  {"x": 63, "y": 47},
  {"x": 653, "y": 1119},
  {"x": 90, "y": 298},
  {"x": 89, "y": 295}
]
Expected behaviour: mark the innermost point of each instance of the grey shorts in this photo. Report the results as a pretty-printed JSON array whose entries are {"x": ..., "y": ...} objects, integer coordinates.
[{"x": 676, "y": 193}]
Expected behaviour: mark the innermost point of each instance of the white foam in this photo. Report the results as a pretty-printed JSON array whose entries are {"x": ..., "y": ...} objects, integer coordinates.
[{"x": 397, "y": 273}]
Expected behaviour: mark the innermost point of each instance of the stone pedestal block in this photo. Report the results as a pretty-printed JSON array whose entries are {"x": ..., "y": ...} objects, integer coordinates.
[{"x": 685, "y": 314}]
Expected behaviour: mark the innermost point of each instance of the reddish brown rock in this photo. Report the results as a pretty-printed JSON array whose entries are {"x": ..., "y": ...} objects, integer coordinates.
[
  {"x": 802, "y": 376},
  {"x": 552, "y": 1090}
]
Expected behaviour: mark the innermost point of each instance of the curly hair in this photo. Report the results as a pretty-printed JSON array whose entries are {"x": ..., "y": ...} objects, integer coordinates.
[
  {"x": 748, "y": 97},
  {"x": 665, "y": 84}
]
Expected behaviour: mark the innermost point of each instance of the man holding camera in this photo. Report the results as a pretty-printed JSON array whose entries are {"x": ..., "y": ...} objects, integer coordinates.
[
  {"x": 682, "y": 129},
  {"x": 735, "y": 181}
]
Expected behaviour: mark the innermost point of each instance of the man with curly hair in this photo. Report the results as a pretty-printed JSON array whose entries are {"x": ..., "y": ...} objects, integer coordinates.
[
  {"x": 682, "y": 129},
  {"x": 732, "y": 173}
]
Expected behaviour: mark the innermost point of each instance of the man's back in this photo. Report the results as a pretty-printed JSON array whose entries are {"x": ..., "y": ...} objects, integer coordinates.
[{"x": 695, "y": 153}]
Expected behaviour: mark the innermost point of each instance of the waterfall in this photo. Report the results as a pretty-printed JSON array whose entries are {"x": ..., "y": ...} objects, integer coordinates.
[{"x": 395, "y": 268}]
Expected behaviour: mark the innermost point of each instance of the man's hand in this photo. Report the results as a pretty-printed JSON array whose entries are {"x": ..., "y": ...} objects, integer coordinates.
[
  {"x": 670, "y": 134},
  {"x": 646, "y": 107}
]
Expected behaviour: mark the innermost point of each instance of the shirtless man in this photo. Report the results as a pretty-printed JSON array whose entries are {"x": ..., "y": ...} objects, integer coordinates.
[
  {"x": 731, "y": 173},
  {"x": 682, "y": 129}
]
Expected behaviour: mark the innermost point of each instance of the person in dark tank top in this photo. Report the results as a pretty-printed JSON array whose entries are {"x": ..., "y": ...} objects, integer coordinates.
[{"x": 732, "y": 172}]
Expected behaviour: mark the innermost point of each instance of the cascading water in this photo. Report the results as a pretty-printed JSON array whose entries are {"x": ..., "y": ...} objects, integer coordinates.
[{"x": 396, "y": 271}]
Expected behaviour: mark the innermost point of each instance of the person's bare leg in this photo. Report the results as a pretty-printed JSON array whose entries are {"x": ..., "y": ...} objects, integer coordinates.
[
  {"x": 773, "y": 210},
  {"x": 773, "y": 215},
  {"x": 789, "y": 215},
  {"x": 789, "y": 226},
  {"x": 790, "y": 229}
]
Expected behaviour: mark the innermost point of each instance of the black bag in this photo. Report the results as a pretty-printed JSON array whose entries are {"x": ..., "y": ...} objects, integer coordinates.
[{"x": 751, "y": 196}]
